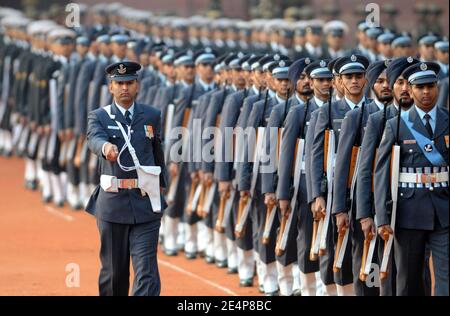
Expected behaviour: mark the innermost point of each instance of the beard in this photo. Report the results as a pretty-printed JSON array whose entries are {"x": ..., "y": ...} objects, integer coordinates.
[
  {"x": 406, "y": 104},
  {"x": 384, "y": 98},
  {"x": 306, "y": 92}
]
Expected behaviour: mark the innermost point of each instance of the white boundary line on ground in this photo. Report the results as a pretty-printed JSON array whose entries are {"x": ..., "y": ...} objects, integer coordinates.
[
  {"x": 195, "y": 276},
  {"x": 60, "y": 214}
]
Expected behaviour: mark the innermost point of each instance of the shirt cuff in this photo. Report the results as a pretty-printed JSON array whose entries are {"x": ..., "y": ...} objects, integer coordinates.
[{"x": 103, "y": 149}]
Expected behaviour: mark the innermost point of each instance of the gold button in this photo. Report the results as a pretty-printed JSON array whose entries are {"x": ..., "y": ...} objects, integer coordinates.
[
  {"x": 410, "y": 150},
  {"x": 431, "y": 188}
]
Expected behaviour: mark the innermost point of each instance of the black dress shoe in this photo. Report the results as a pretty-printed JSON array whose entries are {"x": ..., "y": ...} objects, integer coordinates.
[
  {"x": 221, "y": 264},
  {"x": 47, "y": 199},
  {"x": 59, "y": 204},
  {"x": 297, "y": 292},
  {"x": 232, "y": 270},
  {"x": 190, "y": 255},
  {"x": 261, "y": 288},
  {"x": 171, "y": 253},
  {"x": 33, "y": 185},
  {"x": 246, "y": 282},
  {"x": 209, "y": 259}
]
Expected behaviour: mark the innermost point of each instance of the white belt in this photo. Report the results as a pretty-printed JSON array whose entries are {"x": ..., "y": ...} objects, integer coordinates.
[
  {"x": 112, "y": 184},
  {"x": 423, "y": 178}
]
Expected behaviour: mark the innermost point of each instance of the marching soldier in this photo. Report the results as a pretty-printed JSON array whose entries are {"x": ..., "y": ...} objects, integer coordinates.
[
  {"x": 425, "y": 46},
  {"x": 226, "y": 171},
  {"x": 384, "y": 45},
  {"x": 81, "y": 108},
  {"x": 335, "y": 32},
  {"x": 420, "y": 211},
  {"x": 347, "y": 167},
  {"x": 402, "y": 45},
  {"x": 250, "y": 178},
  {"x": 73, "y": 177},
  {"x": 286, "y": 257},
  {"x": 320, "y": 82},
  {"x": 137, "y": 179},
  {"x": 365, "y": 209},
  {"x": 351, "y": 70},
  {"x": 223, "y": 255}
]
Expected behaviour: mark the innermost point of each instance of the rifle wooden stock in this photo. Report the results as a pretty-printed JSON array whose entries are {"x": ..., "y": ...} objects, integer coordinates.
[
  {"x": 362, "y": 274},
  {"x": 242, "y": 204},
  {"x": 278, "y": 250},
  {"x": 223, "y": 199},
  {"x": 312, "y": 255},
  {"x": 201, "y": 200},
  {"x": 269, "y": 210},
  {"x": 383, "y": 275},
  {"x": 189, "y": 207},
  {"x": 353, "y": 160},
  {"x": 389, "y": 238},
  {"x": 325, "y": 150},
  {"x": 338, "y": 248},
  {"x": 77, "y": 158}
]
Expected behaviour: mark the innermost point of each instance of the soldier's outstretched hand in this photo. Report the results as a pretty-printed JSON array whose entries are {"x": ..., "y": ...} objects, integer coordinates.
[{"x": 111, "y": 152}]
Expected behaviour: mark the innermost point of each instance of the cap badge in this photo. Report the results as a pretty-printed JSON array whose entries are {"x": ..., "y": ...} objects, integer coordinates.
[
  {"x": 307, "y": 60},
  {"x": 282, "y": 63},
  {"x": 410, "y": 59},
  {"x": 122, "y": 69},
  {"x": 323, "y": 63},
  {"x": 353, "y": 58},
  {"x": 423, "y": 67},
  {"x": 276, "y": 57}
]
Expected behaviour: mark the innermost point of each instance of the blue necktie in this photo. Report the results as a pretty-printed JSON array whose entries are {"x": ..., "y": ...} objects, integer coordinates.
[{"x": 128, "y": 117}]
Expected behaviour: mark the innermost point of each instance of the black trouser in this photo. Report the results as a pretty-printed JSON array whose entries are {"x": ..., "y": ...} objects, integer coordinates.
[{"x": 118, "y": 243}]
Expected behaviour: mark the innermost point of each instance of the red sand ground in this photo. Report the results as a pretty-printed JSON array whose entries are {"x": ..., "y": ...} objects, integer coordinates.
[{"x": 38, "y": 241}]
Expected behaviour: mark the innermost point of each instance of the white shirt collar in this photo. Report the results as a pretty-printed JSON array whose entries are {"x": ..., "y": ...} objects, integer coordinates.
[
  {"x": 353, "y": 105},
  {"x": 123, "y": 110},
  {"x": 206, "y": 86},
  {"x": 379, "y": 103},
  {"x": 279, "y": 99},
  {"x": 314, "y": 51},
  {"x": 338, "y": 98},
  {"x": 255, "y": 90},
  {"x": 271, "y": 93},
  {"x": 319, "y": 102},
  {"x": 432, "y": 114},
  {"x": 300, "y": 101}
]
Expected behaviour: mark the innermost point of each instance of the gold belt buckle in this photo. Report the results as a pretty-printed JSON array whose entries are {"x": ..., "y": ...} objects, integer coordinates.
[
  {"x": 428, "y": 178},
  {"x": 128, "y": 183}
]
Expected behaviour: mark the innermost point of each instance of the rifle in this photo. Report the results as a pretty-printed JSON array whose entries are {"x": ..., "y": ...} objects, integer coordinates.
[
  {"x": 176, "y": 180},
  {"x": 247, "y": 201},
  {"x": 395, "y": 173},
  {"x": 195, "y": 186},
  {"x": 329, "y": 154},
  {"x": 353, "y": 172},
  {"x": 210, "y": 188},
  {"x": 369, "y": 251},
  {"x": 270, "y": 210},
  {"x": 286, "y": 222},
  {"x": 224, "y": 196},
  {"x": 80, "y": 145}
]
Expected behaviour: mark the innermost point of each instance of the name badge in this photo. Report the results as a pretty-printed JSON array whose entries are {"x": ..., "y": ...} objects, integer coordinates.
[
  {"x": 446, "y": 140},
  {"x": 113, "y": 127},
  {"x": 409, "y": 141}
]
